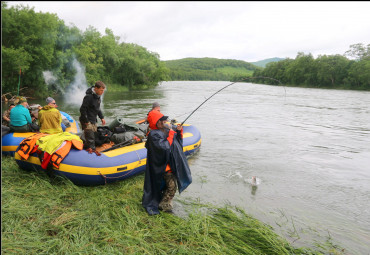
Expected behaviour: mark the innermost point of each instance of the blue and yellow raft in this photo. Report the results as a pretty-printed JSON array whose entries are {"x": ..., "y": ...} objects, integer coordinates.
[{"x": 87, "y": 169}]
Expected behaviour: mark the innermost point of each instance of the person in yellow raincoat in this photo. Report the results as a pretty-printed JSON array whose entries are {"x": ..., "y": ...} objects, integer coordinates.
[{"x": 50, "y": 119}]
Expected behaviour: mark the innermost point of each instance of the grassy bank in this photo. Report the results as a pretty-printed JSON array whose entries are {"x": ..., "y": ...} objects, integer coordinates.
[{"x": 52, "y": 216}]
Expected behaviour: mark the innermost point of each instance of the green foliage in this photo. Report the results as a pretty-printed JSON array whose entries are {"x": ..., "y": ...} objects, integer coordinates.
[
  {"x": 358, "y": 51},
  {"x": 28, "y": 43},
  {"x": 39, "y": 42},
  {"x": 211, "y": 69},
  {"x": 334, "y": 71}
]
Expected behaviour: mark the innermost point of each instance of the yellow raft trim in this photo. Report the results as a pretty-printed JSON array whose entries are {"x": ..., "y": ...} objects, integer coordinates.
[
  {"x": 25, "y": 135},
  {"x": 9, "y": 148},
  {"x": 89, "y": 170}
]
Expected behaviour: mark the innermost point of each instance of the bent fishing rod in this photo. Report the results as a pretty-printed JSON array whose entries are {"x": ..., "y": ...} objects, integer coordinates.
[{"x": 248, "y": 78}]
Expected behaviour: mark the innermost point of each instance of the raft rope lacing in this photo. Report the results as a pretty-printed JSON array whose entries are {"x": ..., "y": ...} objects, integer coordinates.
[{"x": 126, "y": 173}]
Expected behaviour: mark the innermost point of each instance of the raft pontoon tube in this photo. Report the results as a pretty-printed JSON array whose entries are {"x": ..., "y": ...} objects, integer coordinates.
[{"x": 87, "y": 169}]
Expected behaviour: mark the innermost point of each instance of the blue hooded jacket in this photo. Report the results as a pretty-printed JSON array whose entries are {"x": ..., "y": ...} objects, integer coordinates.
[{"x": 20, "y": 116}]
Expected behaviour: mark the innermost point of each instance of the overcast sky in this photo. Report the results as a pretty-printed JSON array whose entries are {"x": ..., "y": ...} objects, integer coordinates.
[{"x": 248, "y": 31}]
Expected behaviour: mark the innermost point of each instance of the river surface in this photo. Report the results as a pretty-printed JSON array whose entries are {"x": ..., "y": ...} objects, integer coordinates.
[{"x": 308, "y": 148}]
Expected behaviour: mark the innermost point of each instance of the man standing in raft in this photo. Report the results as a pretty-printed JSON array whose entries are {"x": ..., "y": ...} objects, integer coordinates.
[
  {"x": 166, "y": 166},
  {"x": 89, "y": 110}
]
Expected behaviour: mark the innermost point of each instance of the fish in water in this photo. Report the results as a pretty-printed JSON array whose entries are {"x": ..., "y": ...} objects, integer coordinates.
[{"x": 254, "y": 181}]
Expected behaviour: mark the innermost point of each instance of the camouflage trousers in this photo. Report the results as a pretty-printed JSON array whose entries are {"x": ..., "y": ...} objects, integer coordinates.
[
  {"x": 169, "y": 192},
  {"x": 89, "y": 133}
]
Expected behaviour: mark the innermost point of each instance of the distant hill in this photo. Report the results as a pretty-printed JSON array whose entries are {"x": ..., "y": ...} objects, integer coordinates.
[
  {"x": 263, "y": 63},
  {"x": 211, "y": 69}
]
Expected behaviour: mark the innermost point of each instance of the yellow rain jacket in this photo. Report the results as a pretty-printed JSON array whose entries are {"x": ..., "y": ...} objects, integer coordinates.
[
  {"x": 50, "y": 120},
  {"x": 51, "y": 143}
]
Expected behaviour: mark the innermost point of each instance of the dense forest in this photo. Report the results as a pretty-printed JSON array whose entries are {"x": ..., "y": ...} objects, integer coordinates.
[
  {"x": 333, "y": 71},
  {"x": 210, "y": 69},
  {"x": 33, "y": 43}
]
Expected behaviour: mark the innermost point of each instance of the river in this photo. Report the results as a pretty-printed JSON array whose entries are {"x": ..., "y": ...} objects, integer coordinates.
[{"x": 308, "y": 148}]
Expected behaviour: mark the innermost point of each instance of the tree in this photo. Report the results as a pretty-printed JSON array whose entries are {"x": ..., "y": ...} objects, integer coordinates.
[
  {"x": 29, "y": 40},
  {"x": 358, "y": 51},
  {"x": 359, "y": 74},
  {"x": 331, "y": 70}
]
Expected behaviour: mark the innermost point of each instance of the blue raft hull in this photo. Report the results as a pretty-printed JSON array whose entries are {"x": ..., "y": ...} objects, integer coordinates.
[{"x": 87, "y": 169}]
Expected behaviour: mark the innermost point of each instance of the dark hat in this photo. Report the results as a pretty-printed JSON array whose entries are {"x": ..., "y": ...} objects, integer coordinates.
[
  {"x": 155, "y": 104},
  {"x": 163, "y": 118},
  {"x": 49, "y": 100}
]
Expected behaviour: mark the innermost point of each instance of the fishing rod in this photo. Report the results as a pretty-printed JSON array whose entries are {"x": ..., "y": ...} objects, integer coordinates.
[{"x": 259, "y": 77}]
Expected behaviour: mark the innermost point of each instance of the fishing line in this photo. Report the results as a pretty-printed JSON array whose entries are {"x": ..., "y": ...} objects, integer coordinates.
[{"x": 248, "y": 78}]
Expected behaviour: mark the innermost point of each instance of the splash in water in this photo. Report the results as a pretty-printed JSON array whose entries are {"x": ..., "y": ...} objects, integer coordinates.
[{"x": 235, "y": 174}]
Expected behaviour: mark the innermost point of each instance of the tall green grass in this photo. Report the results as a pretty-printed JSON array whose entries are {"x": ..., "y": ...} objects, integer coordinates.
[{"x": 43, "y": 215}]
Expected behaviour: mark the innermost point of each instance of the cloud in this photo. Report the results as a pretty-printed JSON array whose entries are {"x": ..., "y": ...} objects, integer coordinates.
[{"x": 248, "y": 31}]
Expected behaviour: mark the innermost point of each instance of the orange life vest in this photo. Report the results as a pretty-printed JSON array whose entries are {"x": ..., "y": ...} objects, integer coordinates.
[
  {"x": 27, "y": 146},
  {"x": 58, "y": 156}
]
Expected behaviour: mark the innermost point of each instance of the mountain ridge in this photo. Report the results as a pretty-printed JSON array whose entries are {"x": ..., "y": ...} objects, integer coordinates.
[{"x": 264, "y": 62}]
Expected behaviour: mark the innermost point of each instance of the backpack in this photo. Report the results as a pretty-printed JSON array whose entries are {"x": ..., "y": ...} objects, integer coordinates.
[{"x": 103, "y": 135}]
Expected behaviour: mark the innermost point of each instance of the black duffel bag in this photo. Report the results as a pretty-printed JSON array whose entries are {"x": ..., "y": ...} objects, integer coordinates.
[
  {"x": 103, "y": 135},
  {"x": 120, "y": 129}
]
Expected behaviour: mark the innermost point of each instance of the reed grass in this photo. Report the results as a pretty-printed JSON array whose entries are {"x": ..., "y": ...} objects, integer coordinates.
[{"x": 53, "y": 216}]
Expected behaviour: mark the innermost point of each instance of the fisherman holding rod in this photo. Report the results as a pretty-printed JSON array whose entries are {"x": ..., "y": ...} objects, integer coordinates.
[{"x": 166, "y": 162}]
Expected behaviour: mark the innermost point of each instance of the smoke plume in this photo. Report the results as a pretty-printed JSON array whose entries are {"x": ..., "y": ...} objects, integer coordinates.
[
  {"x": 75, "y": 92},
  {"x": 51, "y": 80}
]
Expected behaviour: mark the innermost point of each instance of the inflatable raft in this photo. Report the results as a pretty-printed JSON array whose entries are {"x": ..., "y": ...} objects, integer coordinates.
[
  {"x": 11, "y": 141},
  {"x": 118, "y": 164}
]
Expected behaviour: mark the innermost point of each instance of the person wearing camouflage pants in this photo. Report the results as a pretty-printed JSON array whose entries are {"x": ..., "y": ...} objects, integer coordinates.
[
  {"x": 166, "y": 162},
  {"x": 169, "y": 193}
]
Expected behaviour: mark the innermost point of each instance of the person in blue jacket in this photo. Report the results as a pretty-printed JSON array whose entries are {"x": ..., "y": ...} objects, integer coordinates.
[
  {"x": 167, "y": 168},
  {"x": 20, "y": 117}
]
